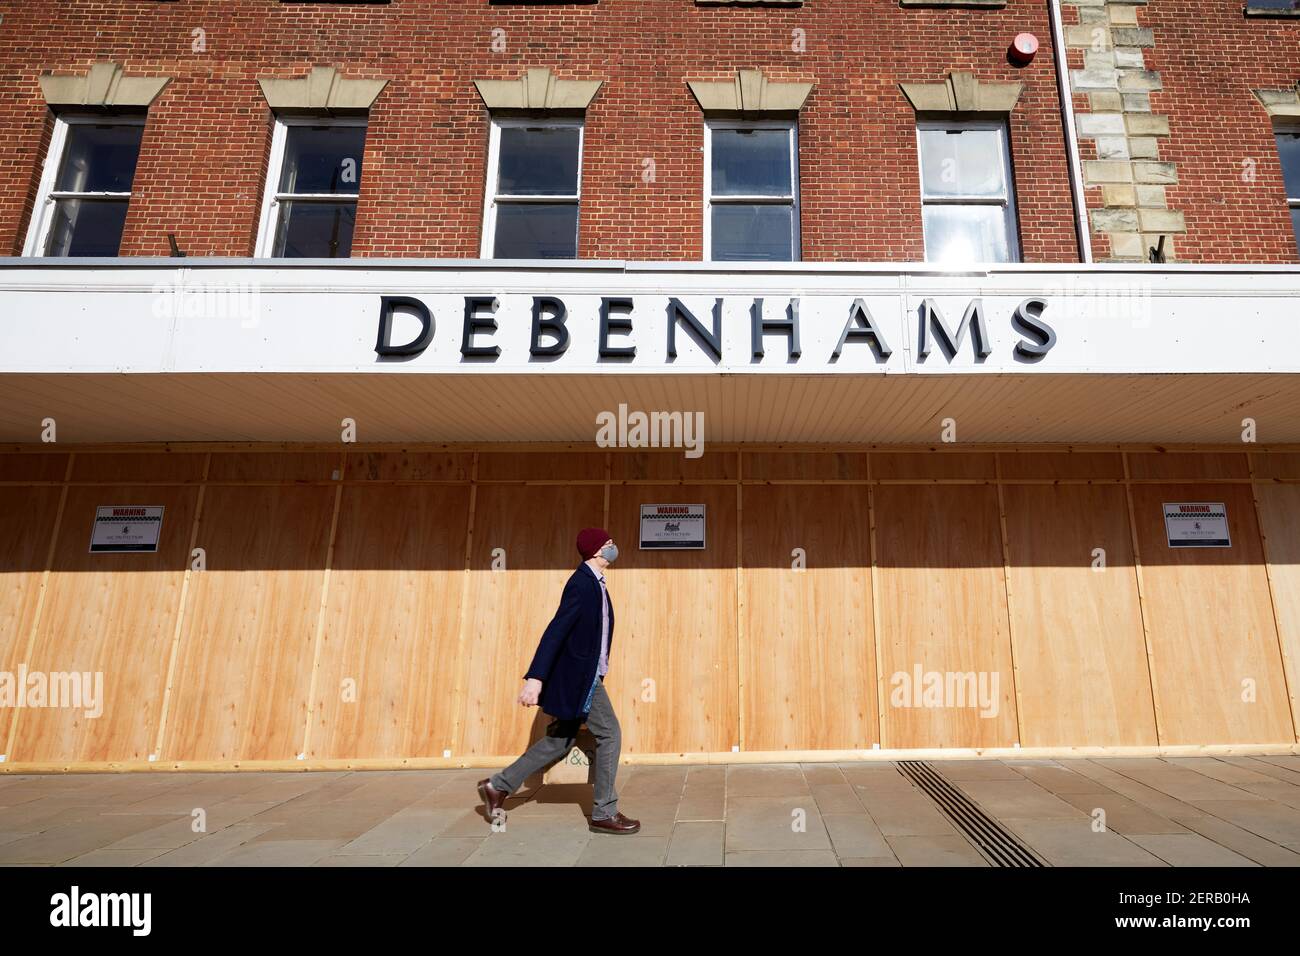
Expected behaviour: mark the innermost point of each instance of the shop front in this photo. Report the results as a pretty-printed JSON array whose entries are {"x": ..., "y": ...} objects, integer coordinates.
[{"x": 294, "y": 515}]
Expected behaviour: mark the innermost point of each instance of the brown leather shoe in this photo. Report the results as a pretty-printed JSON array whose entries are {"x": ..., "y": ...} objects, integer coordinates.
[
  {"x": 615, "y": 824},
  {"x": 493, "y": 799}
]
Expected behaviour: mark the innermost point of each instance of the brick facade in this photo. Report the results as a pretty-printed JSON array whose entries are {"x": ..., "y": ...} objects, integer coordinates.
[
  {"x": 203, "y": 162},
  {"x": 1173, "y": 139}
]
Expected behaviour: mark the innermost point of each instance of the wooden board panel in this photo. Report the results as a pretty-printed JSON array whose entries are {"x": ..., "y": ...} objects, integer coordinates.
[
  {"x": 275, "y": 466},
  {"x": 808, "y": 664},
  {"x": 126, "y": 467},
  {"x": 777, "y": 465},
  {"x": 27, "y": 516},
  {"x": 1279, "y": 510},
  {"x": 1210, "y": 624},
  {"x": 409, "y": 466},
  {"x": 1057, "y": 465},
  {"x": 522, "y": 466},
  {"x": 1188, "y": 465},
  {"x": 672, "y": 465},
  {"x": 1081, "y": 658},
  {"x": 385, "y": 684},
  {"x": 676, "y": 627},
  {"x": 530, "y": 532},
  {"x": 1277, "y": 465},
  {"x": 33, "y": 467},
  {"x": 113, "y": 615},
  {"x": 943, "y": 611},
  {"x": 245, "y": 658},
  {"x": 931, "y": 464}
]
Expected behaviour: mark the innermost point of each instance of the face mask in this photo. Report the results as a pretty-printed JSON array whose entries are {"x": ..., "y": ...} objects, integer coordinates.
[{"x": 609, "y": 553}]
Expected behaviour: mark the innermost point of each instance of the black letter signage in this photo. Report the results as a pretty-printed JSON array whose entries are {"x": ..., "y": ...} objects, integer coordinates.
[
  {"x": 475, "y": 323},
  {"x": 553, "y": 325},
  {"x": 418, "y": 344}
]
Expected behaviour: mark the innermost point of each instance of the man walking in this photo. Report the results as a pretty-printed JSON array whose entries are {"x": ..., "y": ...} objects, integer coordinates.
[{"x": 567, "y": 677}]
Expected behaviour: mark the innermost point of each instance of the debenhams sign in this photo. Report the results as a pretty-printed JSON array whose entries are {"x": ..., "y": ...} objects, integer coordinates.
[{"x": 634, "y": 329}]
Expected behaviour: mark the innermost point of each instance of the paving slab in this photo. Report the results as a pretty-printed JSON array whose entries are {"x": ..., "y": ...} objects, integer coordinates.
[
  {"x": 774, "y": 823},
  {"x": 781, "y": 858},
  {"x": 935, "y": 851},
  {"x": 637, "y": 849},
  {"x": 75, "y": 839},
  {"x": 698, "y": 843},
  {"x": 1243, "y": 842},
  {"x": 905, "y": 813},
  {"x": 855, "y": 835},
  {"x": 1189, "y": 849},
  {"x": 1017, "y": 798},
  {"x": 443, "y": 851},
  {"x": 869, "y": 861},
  {"x": 210, "y": 847},
  {"x": 1122, "y": 814},
  {"x": 837, "y": 798},
  {"x": 359, "y": 859},
  {"x": 1272, "y": 821},
  {"x": 277, "y": 853},
  {"x": 1070, "y": 843},
  {"x": 766, "y": 780}
]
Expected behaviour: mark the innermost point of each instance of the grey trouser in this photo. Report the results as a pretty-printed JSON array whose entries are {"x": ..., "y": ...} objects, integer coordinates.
[{"x": 558, "y": 741}]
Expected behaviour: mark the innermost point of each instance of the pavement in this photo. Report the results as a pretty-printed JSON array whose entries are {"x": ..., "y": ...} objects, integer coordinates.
[{"x": 1195, "y": 811}]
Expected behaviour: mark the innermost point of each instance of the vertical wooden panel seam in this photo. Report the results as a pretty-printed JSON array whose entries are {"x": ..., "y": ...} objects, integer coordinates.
[
  {"x": 458, "y": 692},
  {"x": 740, "y": 608},
  {"x": 1141, "y": 593},
  {"x": 324, "y": 605},
  {"x": 12, "y": 737},
  {"x": 875, "y": 606},
  {"x": 180, "y": 610},
  {"x": 1006, "y": 581},
  {"x": 609, "y": 463},
  {"x": 1272, "y": 600}
]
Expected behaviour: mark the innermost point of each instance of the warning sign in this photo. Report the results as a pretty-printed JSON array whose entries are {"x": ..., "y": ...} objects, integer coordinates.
[
  {"x": 126, "y": 528},
  {"x": 672, "y": 526},
  {"x": 1197, "y": 524}
]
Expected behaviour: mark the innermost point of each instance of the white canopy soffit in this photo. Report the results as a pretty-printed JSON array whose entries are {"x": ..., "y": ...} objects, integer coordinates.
[{"x": 480, "y": 351}]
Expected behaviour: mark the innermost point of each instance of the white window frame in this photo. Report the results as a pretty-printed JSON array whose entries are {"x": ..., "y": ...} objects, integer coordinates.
[
  {"x": 38, "y": 230},
  {"x": 791, "y": 199},
  {"x": 1010, "y": 216},
  {"x": 491, "y": 198},
  {"x": 272, "y": 197},
  {"x": 1292, "y": 202}
]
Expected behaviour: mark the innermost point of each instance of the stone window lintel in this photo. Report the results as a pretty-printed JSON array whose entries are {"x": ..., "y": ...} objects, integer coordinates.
[
  {"x": 105, "y": 86},
  {"x": 961, "y": 94},
  {"x": 537, "y": 91},
  {"x": 324, "y": 90},
  {"x": 749, "y": 95}
]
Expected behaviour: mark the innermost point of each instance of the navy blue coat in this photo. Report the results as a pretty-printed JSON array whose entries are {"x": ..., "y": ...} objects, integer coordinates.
[{"x": 569, "y": 651}]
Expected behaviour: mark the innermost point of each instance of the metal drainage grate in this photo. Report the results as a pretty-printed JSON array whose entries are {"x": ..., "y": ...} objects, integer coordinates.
[{"x": 993, "y": 841}]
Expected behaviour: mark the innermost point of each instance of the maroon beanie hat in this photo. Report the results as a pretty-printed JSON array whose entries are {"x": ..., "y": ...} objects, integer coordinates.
[{"x": 590, "y": 540}]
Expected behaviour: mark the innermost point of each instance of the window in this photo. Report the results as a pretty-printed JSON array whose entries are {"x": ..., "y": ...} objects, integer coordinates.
[
  {"x": 1288, "y": 148},
  {"x": 968, "y": 206},
  {"x": 533, "y": 183},
  {"x": 751, "y": 191},
  {"x": 1276, "y": 8},
  {"x": 86, "y": 186},
  {"x": 310, "y": 203}
]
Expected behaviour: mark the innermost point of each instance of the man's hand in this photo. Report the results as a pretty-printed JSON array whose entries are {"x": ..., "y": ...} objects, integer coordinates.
[{"x": 528, "y": 696}]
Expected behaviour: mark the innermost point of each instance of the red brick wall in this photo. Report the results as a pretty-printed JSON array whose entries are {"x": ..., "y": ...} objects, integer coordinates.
[
  {"x": 202, "y": 166},
  {"x": 1220, "y": 135},
  {"x": 1210, "y": 57}
]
